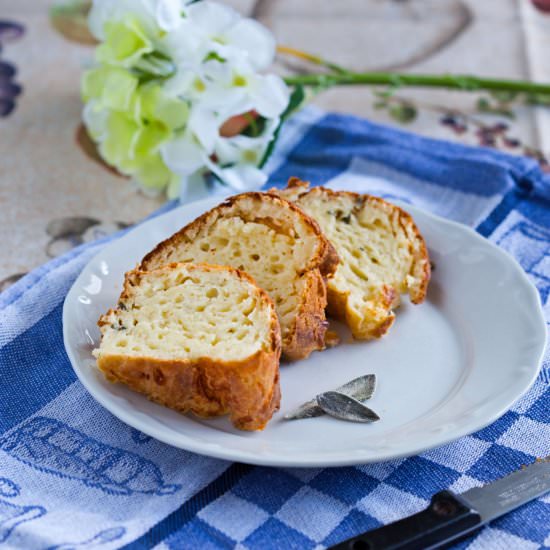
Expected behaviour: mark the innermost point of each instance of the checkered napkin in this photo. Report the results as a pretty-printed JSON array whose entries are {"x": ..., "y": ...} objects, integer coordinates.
[{"x": 73, "y": 476}]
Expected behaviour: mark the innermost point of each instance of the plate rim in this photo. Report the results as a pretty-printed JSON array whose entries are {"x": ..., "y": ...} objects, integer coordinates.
[{"x": 187, "y": 443}]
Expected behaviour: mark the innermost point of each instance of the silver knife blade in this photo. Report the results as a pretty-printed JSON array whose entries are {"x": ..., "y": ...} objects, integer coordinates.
[{"x": 500, "y": 497}]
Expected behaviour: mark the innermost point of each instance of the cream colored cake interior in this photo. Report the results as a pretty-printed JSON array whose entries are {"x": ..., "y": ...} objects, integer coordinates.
[
  {"x": 181, "y": 314},
  {"x": 374, "y": 248},
  {"x": 272, "y": 258}
]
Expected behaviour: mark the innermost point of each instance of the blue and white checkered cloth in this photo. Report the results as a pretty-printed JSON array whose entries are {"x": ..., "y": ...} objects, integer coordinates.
[{"x": 73, "y": 476}]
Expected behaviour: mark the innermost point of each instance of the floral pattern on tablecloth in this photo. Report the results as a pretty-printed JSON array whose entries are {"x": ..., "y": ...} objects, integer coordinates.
[{"x": 9, "y": 88}]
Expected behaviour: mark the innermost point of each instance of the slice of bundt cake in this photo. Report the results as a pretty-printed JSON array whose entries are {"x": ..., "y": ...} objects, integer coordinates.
[
  {"x": 382, "y": 255},
  {"x": 278, "y": 245},
  {"x": 197, "y": 338}
]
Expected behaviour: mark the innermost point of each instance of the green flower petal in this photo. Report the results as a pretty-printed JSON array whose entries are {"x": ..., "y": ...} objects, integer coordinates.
[
  {"x": 125, "y": 42},
  {"x": 118, "y": 90},
  {"x": 120, "y": 141},
  {"x": 133, "y": 149},
  {"x": 92, "y": 82},
  {"x": 172, "y": 112},
  {"x": 149, "y": 139},
  {"x": 153, "y": 173},
  {"x": 112, "y": 86},
  {"x": 135, "y": 108},
  {"x": 149, "y": 94},
  {"x": 156, "y": 105}
]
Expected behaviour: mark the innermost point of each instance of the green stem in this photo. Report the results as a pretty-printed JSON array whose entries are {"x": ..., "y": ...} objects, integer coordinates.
[{"x": 456, "y": 82}]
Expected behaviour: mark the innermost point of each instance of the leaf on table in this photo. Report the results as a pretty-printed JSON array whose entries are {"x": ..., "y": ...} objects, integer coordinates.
[{"x": 403, "y": 112}]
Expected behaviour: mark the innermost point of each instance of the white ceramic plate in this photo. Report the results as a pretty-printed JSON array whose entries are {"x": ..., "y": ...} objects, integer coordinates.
[{"x": 447, "y": 368}]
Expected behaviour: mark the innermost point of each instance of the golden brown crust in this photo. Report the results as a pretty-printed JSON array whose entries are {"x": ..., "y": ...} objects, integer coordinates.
[
  {"x": 247, "y": 389},
  {"x": 311, "y": 324},
  {"x": 372, "y": 323},
  {"x": 326, "y": 258},
  {"x": 331, "y": 338},
  {"x": 330, "y": 262},
  {"x": 380, "y": 316},
  {"x": 309, "y": 331}
]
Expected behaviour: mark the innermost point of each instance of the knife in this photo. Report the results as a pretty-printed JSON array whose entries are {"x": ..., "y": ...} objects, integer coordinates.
[{"x": 450, "y": 517}]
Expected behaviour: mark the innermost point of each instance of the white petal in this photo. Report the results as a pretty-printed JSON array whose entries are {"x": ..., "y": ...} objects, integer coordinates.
[
  {"x": 168, "y": 14},
  {"x": 255, "y": 39},
  {"x": 183, "y": 155},
  {"x": 195, "y": 186},
  {"x": 230, "y": 150},
  {"x": 102, "y": 10},
  {"x": 250, "y": 176},
  {"x": 211, "y": 17},
  {"x": 222, "y": 95},
  {"x": 221, "y": 73},
  {"x": 179, "y": 84},
  {"x": 204, "y": 124},
  {"x": 183, "y": 45},
  {"x": 270, "y": 95},
  {"x": 227, "y": 152},
  {"x": 226, "y": 102},
  {"x": 243, "y": 177}
]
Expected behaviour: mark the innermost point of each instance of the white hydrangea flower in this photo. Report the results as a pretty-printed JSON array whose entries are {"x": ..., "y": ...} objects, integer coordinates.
[
  {"x": 175, "y": 81},
  {"x": 231, "y": 36}
]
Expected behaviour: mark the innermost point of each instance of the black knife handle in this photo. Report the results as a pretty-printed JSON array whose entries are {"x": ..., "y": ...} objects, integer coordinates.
[{"x": 447, "y": 518}]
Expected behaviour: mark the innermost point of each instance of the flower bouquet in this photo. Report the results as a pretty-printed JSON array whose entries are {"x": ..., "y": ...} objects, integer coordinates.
[{"x": 177, "y": 93}]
